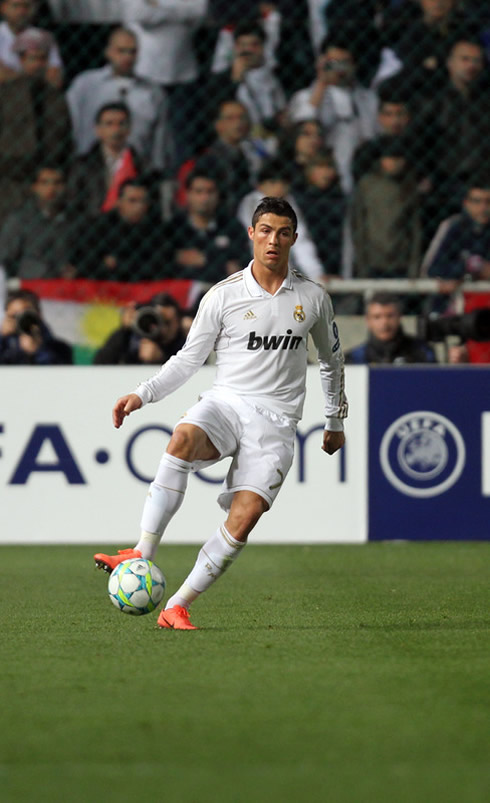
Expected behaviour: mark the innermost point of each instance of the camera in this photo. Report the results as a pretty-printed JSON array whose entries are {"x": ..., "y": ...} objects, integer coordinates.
[
  {"x": 469, "y": 326},
  {"x": 341, "y": 66},
  {"x": 28, "y": 323},
  {"x": 148, "y": 323}
]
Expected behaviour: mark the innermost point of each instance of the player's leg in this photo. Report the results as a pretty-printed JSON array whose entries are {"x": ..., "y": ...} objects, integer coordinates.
[
  {"x": 215, "y": 557},
  {"x": 166, "y": 493}
]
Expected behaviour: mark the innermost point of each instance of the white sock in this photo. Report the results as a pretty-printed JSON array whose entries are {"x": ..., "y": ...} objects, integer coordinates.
[
  {"x": 217, "y": 554},
  {"x": 165, "y": 496}
]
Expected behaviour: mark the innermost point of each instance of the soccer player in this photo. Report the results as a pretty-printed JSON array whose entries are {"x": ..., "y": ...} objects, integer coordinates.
[{"x": 258, "y": 321}]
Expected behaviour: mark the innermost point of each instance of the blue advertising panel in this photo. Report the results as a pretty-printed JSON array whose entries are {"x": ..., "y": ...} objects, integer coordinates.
[{"x": 429, "y": 453}]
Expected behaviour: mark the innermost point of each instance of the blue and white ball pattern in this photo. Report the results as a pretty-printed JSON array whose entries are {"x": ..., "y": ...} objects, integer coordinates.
[{"x": 136, "y": 586}]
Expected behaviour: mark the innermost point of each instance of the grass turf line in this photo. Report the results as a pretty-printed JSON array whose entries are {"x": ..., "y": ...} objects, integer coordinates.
[{"x": 346, "y": 674}]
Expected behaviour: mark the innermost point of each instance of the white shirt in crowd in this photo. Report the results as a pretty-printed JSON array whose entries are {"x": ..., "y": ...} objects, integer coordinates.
[
  {"x": 164, "y": 29},
  {"x": 260, "y": 342},
  {"x": 11, "y": 59},
  {"x": 147, "y": 103},
  {"x": 349, "y": 117},
  {"x": 303, "y": 254}
]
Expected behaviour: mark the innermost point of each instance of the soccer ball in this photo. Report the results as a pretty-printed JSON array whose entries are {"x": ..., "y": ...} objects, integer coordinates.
[{"x": 136, "y": 586}]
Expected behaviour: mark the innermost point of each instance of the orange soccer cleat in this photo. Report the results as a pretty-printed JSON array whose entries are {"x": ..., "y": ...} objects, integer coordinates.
[
  {"x": 109, "y": 562},
  {"x": 176, "y": 618}
]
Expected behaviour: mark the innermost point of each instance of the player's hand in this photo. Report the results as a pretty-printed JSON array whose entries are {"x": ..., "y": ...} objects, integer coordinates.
[
  {"x": 332, "y": 441},
  {"x": 123, "y": 407}
]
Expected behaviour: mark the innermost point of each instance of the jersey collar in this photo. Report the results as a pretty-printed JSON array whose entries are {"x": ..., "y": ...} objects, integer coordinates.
[{"x": 254, "y": 287}]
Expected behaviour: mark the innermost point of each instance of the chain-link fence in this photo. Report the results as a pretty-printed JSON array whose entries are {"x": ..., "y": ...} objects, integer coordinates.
[{"x": 137, "y": 137}]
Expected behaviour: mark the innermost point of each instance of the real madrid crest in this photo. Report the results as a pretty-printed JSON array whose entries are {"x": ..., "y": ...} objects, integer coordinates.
[{"x": 299, "y": 314}]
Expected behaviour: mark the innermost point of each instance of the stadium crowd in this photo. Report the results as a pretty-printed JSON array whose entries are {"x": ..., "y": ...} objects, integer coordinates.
[{"x": 137, "y": 136}]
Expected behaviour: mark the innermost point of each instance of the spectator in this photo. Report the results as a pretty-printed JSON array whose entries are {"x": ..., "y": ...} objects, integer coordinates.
[
  {"x": 345, "y": 109},
  {"x": 251, "y": 81},
  {"x": 115, "y": 82},
  {"x": 322, "y": 202},
  {"x": 153, "y": 334},
  {"x": 393, "y": 121},
  {"x": 34, "y": 122},
  {"x": 203, "y": 242},
  {"x": 25, "y": 339},
  {"x": 17, "y": 15},
  {"x": 234, "y": 158},
  {"x": 37, "y": 241},
  {"x": 358, "y": 20},
  {"x": 419, "y": 34},
  {"x": 96, "y": 176},
  {"x": 457, "y": 119},
  {"x": 385, "y": 217},
  {"x": 461, "y": 247},
  {"x": 387, "y": 342},
  {"x": 274, "y": 181},
  {"x": 165, "y": 31},
  {"x": 301, "y": 143},
  {"x": 125, "y": 244}
]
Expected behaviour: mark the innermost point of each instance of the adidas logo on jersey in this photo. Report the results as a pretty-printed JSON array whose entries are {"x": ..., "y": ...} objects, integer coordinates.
[
  {"x": 249, "y": 316},
  {"x": 274, "y": 342}
]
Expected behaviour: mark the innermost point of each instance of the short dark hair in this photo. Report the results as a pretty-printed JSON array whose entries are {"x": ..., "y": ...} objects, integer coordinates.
[
  {"x": 275, "y": 206},
  {"x": 481, "y": 181},
  {"x": 273, "y": 170},
  {"x": 166, "y": 300},
  {"x": 24, "y": 295},
  {"x": 132, "y": 182},
  {"x": 249, "y": 28},
  {"x": 385, "y": 299},
  {"x": 201, "y": 172},
  {"x": 112, "y": 107}
]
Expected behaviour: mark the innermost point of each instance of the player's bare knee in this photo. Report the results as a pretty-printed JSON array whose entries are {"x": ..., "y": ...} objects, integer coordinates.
[
  {"x": 182, "y": 444},
  {"x": 245, "y": 514}
]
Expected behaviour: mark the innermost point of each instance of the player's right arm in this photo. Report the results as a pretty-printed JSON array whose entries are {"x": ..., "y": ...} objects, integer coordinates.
[{"x": 123, "y": 407}]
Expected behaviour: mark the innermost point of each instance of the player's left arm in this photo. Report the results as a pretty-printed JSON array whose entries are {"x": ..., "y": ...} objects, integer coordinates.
[{"x": 326, "y": 338}]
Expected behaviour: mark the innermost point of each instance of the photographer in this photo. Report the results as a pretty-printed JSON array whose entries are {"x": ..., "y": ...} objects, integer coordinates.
[
  {"x": 24, "y": 337},
  {"x": 337, "y": 100},
  {"x": 150, "y": 335}
]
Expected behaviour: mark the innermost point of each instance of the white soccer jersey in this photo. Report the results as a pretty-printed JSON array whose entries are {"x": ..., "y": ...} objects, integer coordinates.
[{"x": 260, "y": 342}]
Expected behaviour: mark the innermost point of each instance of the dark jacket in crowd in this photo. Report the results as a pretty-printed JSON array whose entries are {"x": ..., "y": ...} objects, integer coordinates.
[
  {"x": 136, "y": 247},
  {"x": 35, "y": 246},
  {"x": 457, "y": 242},
  {"x": 121, "y": 348},
  {"x": 35, "y": 127},
  {"x": 402, "y": 349},
  {"x": 324, "y": 212},
  {"x": 51, "y": 352},
  {"x": 225, "y": 239}
]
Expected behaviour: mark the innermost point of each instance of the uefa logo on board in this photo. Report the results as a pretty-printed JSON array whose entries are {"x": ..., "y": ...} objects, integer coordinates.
[{"x": 422, "y": 454}]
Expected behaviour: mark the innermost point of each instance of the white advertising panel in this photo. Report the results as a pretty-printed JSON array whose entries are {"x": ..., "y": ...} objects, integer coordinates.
[{"x": 67, "y": 476}]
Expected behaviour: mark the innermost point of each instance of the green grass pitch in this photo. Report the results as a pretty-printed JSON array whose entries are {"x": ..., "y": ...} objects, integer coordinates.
[{"x": 340, "y": 674}]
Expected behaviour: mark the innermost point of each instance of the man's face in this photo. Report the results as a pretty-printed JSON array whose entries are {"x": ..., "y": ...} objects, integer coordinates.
[
  {"x": 49, "y": 187},
  {"x": 321, "y": 176},
  {"x": 170, "y": 323},
  {"x": 393, "y": 118},
  {"x": 339, "y": 61},
  {"x": 34, "y": 63},
  {"x": 272, "y": 237},
  {"x": 435, "y": 10},
  {"x": 383, "y": 321},
  {"x": 309, "y": 140},
  {"x": 113, "y": 129},
  {"x": 477, "y": 205},
  {"x": 232, "y": 126},
  {"x": 133, "y": 204},
  {"x": 121, "y": 53},
  {"x": 17, "y": 13},
  {"x": 393, "y": 165},
  {"x": 465, "y": 64},
  {"x": 202, "y": 197},
  {"x": 251, "y": 49}
]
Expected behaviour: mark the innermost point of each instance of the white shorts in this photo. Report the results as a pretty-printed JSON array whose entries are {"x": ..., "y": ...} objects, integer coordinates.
[{"x": 260, "y": 442}]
